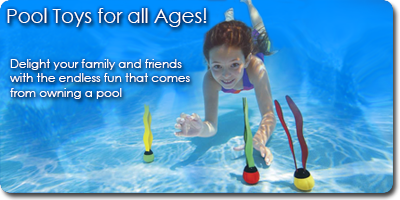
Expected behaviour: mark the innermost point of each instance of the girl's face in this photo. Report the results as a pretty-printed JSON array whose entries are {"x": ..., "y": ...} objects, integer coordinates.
[{"x": 227, "y": 65}]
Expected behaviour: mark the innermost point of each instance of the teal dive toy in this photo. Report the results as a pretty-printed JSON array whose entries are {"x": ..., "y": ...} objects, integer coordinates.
[
  {"x": 147, "y": 136},
  {"x": 302, "y": 178},
  {"x": 250, "y": 172}
]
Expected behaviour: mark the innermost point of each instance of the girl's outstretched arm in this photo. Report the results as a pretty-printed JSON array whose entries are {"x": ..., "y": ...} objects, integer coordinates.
[
  {"x": 210, "y": 93},
  {"x": 259, "y": 77},
  {"x": 192, "y": 125}
]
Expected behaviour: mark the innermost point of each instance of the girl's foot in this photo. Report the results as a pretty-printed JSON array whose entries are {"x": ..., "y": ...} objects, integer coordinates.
[
  {"x": 229, "y": 15},
  {"x": 246, "y": 1}
]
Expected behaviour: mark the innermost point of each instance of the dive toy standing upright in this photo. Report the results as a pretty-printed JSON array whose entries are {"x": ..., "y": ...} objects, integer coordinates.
[
  {"x": 147, "y": 136},
  {"x": 250, "y": 172},
  {"x": 302, "y": 178}
]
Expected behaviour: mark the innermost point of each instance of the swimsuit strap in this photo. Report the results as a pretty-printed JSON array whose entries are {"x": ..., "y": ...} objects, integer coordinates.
[{"x": 246, "y": 82}]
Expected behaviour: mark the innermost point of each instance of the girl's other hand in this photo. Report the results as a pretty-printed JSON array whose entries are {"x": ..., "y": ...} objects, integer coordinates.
[
  {"x": 264, "y": 151},
  {"x": 266, "y": 154},
  {"x": 190, "y": 125}
]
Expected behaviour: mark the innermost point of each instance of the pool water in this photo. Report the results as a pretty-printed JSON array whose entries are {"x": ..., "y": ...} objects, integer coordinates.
[{"x": 337, "y": 68}]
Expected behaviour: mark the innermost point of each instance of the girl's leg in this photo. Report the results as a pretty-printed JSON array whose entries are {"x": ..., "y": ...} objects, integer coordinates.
[{"x": 256, "y": 19}]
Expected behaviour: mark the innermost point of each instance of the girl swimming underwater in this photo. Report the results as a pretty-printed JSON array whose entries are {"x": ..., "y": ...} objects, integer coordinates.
[{"x": 235, "y": 57}]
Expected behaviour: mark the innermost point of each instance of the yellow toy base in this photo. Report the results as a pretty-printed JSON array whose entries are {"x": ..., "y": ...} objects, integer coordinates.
[{"x": 303, "y": 180}]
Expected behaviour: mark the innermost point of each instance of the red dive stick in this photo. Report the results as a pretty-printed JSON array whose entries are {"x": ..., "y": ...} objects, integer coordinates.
[
  {"x": 299, "y": 129},
  {"x": 280, "y": 115}
]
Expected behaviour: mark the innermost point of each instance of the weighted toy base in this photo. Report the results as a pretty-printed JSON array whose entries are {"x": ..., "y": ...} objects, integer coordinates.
[
  {"x": 148, "y": 156},
  {"x": 303, "y": 180},
  {"x": 251, "y": 175}
]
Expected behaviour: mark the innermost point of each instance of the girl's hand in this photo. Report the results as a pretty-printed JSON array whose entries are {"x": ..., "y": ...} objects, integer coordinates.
[
  {"x": 190, "y": 125},
  {"x": 266, "y": 154},
  {"x": 264, "y": 151},
  {"x": 259, "y": 141}
]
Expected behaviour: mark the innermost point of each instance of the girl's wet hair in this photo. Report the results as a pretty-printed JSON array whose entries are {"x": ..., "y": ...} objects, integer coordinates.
[{"x": 236, "y": 34}]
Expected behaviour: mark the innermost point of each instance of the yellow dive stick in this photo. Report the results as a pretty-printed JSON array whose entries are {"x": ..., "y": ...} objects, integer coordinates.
[{"x": 147, "y": 136}]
